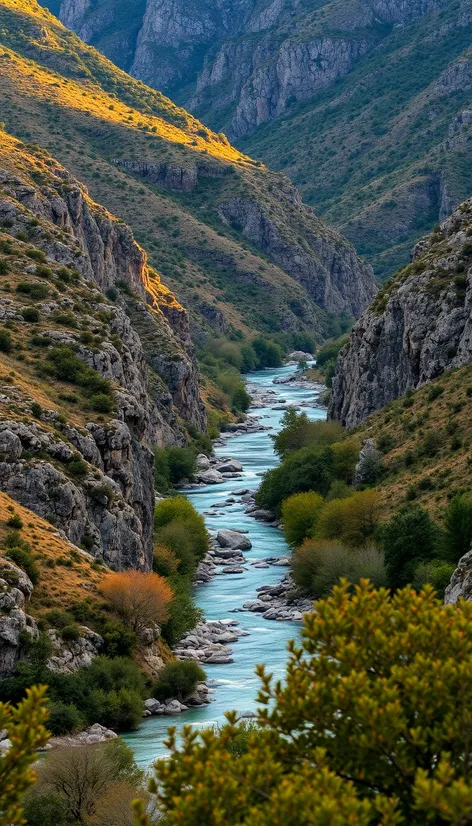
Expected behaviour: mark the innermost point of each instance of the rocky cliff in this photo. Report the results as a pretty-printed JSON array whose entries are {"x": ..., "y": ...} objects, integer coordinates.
[
  {"x": 98, "y": 391},
  {"x": 250, "y": 59},
  {"x": 418, "y": 326}
]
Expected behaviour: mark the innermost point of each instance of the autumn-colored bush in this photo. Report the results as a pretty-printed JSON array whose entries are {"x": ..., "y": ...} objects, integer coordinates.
[
  {"x": 352, "y": 520},
  {"x": 140, "y": 599},
  {"x": 300, "y": 515},
  {"x": 370, "y": 726}
]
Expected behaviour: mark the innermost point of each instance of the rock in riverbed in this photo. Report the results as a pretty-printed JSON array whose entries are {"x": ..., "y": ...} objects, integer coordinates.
[{"x": 234, "y": 540}]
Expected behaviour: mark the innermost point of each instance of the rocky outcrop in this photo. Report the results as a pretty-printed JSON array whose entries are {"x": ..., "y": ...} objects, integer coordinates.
[
  {"x": 325, "y": 265},
  {"x": 418, "y": 326},
  {"x": 16, "y": 626},
  {"x": 460, "y": 586},
  {"x": 70, "y": 655}
]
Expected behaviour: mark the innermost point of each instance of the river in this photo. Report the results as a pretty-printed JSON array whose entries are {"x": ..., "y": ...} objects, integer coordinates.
[{"x": 235, "y": 683}]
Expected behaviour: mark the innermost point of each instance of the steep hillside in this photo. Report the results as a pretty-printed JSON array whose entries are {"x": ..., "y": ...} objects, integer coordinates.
[
  {"x": 418, "y": 326},
  {"x": 232, "y": 239},
  {"x": 363, "y": 103},
  {"x": 90, "y": 384},
  {"x": 424, "y": 438}
]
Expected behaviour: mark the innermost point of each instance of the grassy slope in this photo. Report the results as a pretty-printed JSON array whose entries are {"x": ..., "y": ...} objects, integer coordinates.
[
  {"x": 365, "y": 152},
  {"x": 415, "y": 470},
  {"x": 66, "y": 575},
  {"x": 60, "y": 93}
]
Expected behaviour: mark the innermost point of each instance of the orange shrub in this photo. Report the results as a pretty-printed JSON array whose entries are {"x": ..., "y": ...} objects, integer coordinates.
[{"x": 140, "y": 599}]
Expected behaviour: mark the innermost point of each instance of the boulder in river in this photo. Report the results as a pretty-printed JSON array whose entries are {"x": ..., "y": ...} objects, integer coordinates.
[
  {"x": 229, "y": 466},
  {"x": 234, "y": 540},
  {"x": 211, "y": 477}
]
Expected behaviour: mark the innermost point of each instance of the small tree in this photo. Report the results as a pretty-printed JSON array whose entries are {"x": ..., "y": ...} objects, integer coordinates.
[
  {"x": 26, "y": 731},
  {"x": 371, "y": 726},
  {"x": 409, "y": 538},
  {"x": 300, "y": 515},
  {"x": 458, "y": 527},
  {"x": 140, "y": 599}
]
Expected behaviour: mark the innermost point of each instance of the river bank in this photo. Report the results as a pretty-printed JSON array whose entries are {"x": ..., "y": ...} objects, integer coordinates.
[{"x": 222, "y": 597}]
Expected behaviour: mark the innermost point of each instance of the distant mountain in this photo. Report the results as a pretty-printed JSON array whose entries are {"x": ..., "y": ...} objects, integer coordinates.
[
  {"x": 232, "y": 239},
  {"x": 365, "y": 104}
]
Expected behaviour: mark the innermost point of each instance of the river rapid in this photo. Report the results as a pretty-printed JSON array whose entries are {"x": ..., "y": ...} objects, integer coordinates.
[{"x": 235, "y": 683}]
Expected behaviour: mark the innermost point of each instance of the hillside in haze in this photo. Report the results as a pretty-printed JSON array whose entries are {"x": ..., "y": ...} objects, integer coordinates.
[{"x": 365, "y": 105}]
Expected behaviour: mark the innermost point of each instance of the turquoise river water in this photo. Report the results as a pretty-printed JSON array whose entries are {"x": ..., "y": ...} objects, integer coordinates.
[{"x": 235, "y": 683}]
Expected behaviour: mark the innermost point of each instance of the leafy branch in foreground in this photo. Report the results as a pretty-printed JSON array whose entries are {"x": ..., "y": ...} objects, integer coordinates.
[
  {"x": 371, "y": 726},
  {"x": 25, "y": 725}
]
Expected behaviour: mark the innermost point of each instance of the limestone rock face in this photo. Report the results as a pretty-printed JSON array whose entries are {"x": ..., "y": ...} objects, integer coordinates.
[
  {"x": 15, "y": 590},
  {"x": 69, "y": 656},
  {"x": 417, "y": 327},
  {"x": 460, "y": 586}
]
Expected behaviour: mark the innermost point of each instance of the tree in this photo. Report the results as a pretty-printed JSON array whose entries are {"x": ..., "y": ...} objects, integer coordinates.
[
  {"x": 303, "y": 470},
  {"x": 26, "y": 729},
  {"x": 298, "y": 431},
  {"x": 300, "y": 515},
  {"x": 179, "y": 679},
  {"x": 370, "y": 726},
  {"x": 458, "y": 527},
  {"x": 140, "y": 599},
  {"x": 87, "y": 783},
  {"x": 408, "y": 539}
]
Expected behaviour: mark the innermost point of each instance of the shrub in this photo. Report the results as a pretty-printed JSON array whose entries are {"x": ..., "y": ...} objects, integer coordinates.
[
  {"x": 437, "y": 573},
  {"x": 101, "y": 403},
  {"x": 36, "y": 410},
  {"x": 345, "y": 458},
  {"x": 352, "y": 520},
  {"x": 181, "y": 529},
  {"x": 22, "y": 557},
  {"x": 300, "y": 516},
  {"x": 409, "y": 538},
  {"x": 30, "y": 314},
  {"x": 15, "y": 521},
  {"x": 173, "y": 464},
  {"x": 6, "y": 344},
  {"x": 183, "y": 613},
  {"x": 70, "y": 633},
  {"x": 36, "y": 291},
  {"x": 64, "y": 719},
  {"x": 178, "y": 679},
  {"x": 318, "y": 565},
  {"x": 164, "y": 561},
  {"x": 77, "y": 468},
  {"x": 458, "y": 527},
  {"x": 367, "y": 696},
  {"x": 140, "y": 599}
]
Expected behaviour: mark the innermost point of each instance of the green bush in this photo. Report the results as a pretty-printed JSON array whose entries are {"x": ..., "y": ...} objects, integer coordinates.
[
  {"x": 70, "y": 633},
  {"x": 101, "y": 403},
  {"x": 409, "y": 538},
  {"x": 30, "y": 314},
  {"x": 437, "y": 573},
  {"x": 64, "y": 719},
  {"x": 15, "y": 521},
  {"x": 300, "y": 514},
  {"x": 22, "y": 556},
  {"x": 304, "y": 470},
  {"x": 458, "y": 527},
  {"x": 6, "y": 343},
  {"x": 178, "y": 680},
  {"x": 299, "y": 431},
  {"x": 183, "y": 613},
  {"x": 318, "y": 565},
  {"x": 36, "y": 410},
  {"x": 172, "y": 465},
  {"x": 352, "y": 520}
]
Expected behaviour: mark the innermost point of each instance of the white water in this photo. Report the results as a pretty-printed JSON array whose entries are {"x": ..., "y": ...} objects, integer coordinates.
[{"x": 236, "y": 684}]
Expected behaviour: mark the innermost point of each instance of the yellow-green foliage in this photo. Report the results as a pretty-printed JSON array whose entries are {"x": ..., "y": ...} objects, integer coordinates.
[
  {"x": 371, "y": 725},
  {"x": 352, "y": 520},
  {"x": 300, "y": 514},
  {"x": 26, "y": 731}
]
